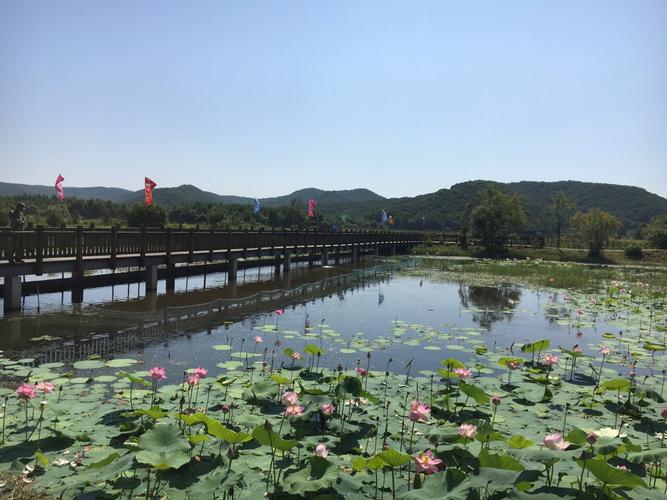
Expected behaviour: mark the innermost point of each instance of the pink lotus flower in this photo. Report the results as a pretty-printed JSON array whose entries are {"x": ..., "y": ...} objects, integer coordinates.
[
  {"x": 621, "y": 467},
  {"x": 565, "y": 298},
  {"x": 419, "y": 411},
  {"x": 200, "y": 372},
  {"x": 193, "y": 380},
  {"x": 279, "y": 312},
  {"x": 591, "y": 438},
  {"x": 605, "y": 350},
  {"x": 463, "y": 373},
  {"x": 277, "y": 343},
  {"x": 495, "y": 400},
  {"x": 327, "y": 408},
  {"x": 468, "y": 431},
  {"x": 321, "y": 450},
  {"x": 45, "y": 387},
  {"x": 293, "y": 410},
  {"x": 158, "y": 373},
  {"x": 576, "y": 348},
  {"x": 550, "y": 359},
  {"x": 362, "y": 372},
  {"x": 226, "y": 408},
  {"x": 513, "y": 365},
  {"x": 425, "y": 462},
  {"x": 290, "y": 398},
  {"x": 663, "y": 413},
  {"x": 581, "y": 312},
  {"x": 26, "y": 391},
  {"x": 555, "y": 442},
  {"x": 258, "y": 339},
  {"x": 296, "y": 356}
]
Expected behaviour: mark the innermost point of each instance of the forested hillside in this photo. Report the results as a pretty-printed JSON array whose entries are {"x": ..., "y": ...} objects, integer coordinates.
[{"x": 355, "y": 208}]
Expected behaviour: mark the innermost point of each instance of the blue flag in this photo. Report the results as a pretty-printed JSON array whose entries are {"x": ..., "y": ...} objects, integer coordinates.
[
  {"x": 383, "y": 216},
  {"x": 257, "y": 207}
]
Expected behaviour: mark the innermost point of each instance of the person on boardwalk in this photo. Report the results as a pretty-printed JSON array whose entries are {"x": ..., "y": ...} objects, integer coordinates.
[{"x": 19, "y": 223}]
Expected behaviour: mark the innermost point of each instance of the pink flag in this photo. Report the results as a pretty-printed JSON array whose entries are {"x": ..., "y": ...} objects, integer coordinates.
[
  {"x": 149, "y": 185},
  {"x": 311, "y": 208},
  {"x": 59, "y": 187},
  {"x": 279, "y": 312}
]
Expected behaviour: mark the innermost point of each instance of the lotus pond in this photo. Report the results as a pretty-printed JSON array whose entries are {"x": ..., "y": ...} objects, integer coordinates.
[{"x": 441, "y": 381}]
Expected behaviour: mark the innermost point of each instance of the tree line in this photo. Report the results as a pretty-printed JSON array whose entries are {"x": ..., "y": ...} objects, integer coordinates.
[{"x": 490, "y": 219}]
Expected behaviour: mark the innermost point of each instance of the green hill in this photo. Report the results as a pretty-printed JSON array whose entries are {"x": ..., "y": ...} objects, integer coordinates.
[
  {"x": 440, "y": 210},
  {"x": 85, "y": 193},
  {"x": 361, "y": 208}
]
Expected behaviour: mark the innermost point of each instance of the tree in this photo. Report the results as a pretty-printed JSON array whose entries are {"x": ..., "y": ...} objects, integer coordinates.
[
  {"x": 140, "y": 215},
  {"x": 561, "y": 207},
  {"x": 464, "y": 226},
  {"x": 57, "y": 215},
  {"x": 595, "y": 227},
  {"x": 496, "y": 217},
  {"x": 656, "y": 231}
]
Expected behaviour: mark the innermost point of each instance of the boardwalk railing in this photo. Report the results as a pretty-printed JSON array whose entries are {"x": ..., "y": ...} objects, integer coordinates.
[{"x": 78, "y": 243}]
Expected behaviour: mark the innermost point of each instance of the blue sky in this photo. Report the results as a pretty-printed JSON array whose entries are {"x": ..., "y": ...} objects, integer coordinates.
[{"x": 261, "y": 98}]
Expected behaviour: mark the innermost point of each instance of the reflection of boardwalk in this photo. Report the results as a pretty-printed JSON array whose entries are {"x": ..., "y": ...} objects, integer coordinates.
[{"x": 160, "y": 325}]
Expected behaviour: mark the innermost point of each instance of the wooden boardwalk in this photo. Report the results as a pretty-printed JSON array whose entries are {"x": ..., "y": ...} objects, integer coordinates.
[{"x": 76, "y": 250}]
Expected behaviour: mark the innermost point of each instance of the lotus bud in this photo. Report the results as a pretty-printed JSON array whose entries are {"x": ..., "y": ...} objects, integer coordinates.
[
  {"x": 232, "y": 453},
  {"x": 267, "y": 425},
  {"x": 591, "y": 438}
]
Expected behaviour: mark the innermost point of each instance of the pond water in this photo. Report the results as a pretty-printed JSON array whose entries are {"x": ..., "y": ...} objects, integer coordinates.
[{"x": 381, "y": 323}]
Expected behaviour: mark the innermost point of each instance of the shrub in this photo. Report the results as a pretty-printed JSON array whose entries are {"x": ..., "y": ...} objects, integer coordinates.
[{"x": 634, "y": 252}]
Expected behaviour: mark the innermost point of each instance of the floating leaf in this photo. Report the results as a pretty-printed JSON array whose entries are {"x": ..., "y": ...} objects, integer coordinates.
[{"x": 163, "y": 447}]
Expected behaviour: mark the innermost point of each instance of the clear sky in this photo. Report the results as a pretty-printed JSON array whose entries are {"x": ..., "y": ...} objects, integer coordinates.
[{"x": 262, "y": 98}]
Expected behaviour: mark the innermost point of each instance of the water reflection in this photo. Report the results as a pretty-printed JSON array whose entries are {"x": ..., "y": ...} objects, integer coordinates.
[{"x": 489, "y": 304}]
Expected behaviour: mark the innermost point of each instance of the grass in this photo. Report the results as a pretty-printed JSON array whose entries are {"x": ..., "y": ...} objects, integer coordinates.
[
  {"x": 542, "y": 273},
  {"x": 652, "y": 257}
]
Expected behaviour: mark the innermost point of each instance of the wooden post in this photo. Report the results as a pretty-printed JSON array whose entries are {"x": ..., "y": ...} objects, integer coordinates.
[
  {"x": 39, "y": 257},
  {"x": 114, "y": 246},
  {"x": 192, "y": 246},
  {"x": 142, "y": 251}
]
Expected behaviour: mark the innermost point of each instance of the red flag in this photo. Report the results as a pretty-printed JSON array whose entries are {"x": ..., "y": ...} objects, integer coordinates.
[
  {"x": 148, "y": 188},
  {"x": 311, "y": 208},
  {"x": 59, "y": 187}
]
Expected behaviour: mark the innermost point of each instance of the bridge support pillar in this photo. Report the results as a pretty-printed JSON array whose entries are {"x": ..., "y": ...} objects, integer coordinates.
[
  {"x": 12, "y": 293},
  {"x": 151, "y": 278},
  {"x": 392, "y": 251},
  {"x": 77, "y": 286},
  {"x": 232, "y": 269},
  {"x": 171, "y": 278},
  {"x": 287, "y": 260},
  {"x": 353, "y": 256},
  {"x": 325, "y": 257},
  {"x": 337, "y": 256},
  {"x": 311, "y": 259},
  {"x": 276, "y": 265}
]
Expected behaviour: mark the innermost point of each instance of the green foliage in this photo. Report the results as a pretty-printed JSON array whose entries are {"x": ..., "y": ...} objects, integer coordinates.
[
  {"x": 141, "y": 215},
  {"x": 656, "y": 231},
  {"x": 594, "y": 228},
  {"x": 163, "y": 447},
  {"x": 495, "y": 219},
  {"x": 634, "y": 252},
  {"x": 561, "y": 208}
]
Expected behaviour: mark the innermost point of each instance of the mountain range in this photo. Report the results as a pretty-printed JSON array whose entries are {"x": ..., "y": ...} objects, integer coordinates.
[{"x": 440, "y": 209}]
